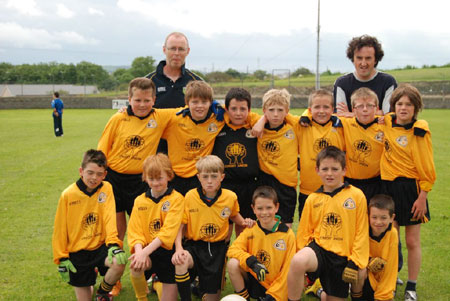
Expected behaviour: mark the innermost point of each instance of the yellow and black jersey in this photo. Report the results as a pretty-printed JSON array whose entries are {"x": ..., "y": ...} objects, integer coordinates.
[
  {"x": 274, "y": 249},
  {"x": 83, "y": 220},
  {"x": 205, "y": 219},
  {"x": 312, "y": 139},
  {"x": 188, "y": 140},
  {"x": 364, "y": 145},
  {"x": 338, "y": 222},
  {"x": 155, "y": 217},
  {"x": 384, "y": 246},
  {"x": 278, "y": 153},
  {"x": 408, "y": 152},
  {"x": 128, "y": 140}
]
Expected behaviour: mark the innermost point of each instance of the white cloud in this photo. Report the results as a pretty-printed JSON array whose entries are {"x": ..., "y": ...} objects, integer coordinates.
[
  {"x": 94, "y": 11},
  {"x": 64, "y": 12},
  {"x": 18, "y": 36},
  {"x": 25, "y": 7}
]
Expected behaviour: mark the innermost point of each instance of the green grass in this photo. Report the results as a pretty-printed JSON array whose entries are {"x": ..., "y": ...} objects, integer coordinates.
[{"x": 35, "y": 167}]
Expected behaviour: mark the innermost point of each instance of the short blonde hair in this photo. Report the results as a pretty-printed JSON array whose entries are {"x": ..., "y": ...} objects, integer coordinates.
[
  {"x": 198, "y": 89},
  {"x": 363, "y": 93},
  {"x": 276, "y": 97},
  {"x": 156, "y": 164},
  {"x": 210, "y": 163},
  {"x": 320, "y": 93}
]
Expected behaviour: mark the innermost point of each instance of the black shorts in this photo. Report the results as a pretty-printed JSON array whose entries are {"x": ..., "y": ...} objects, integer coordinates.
[
  {"x": 254, "y": 287},
  {"x": 85, "y": 262},
  {"x": 126, "y": 189},
  {"x": 244, "y": 191},
  {"x": 209, "y": 262},
  {"x": 369, "y": 187},
  {"x": 162, "y": 265},
  {"x": 329, "y": 270},
  {"x": 301, "y": 203},
  {"x": 368, "y": 292},
  {"x": 405, "y": 192},
  {"x": 183, "y": 185},
  {"x": 287, "y": 196}
]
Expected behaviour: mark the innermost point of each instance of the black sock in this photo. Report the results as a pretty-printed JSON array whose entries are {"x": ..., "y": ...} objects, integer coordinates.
[
  {"x": 410, "y": 285},
  {"x": 104, "y": 287},
  {"x": 244, "y": 294},
  {"x": 184, "y": 286}
]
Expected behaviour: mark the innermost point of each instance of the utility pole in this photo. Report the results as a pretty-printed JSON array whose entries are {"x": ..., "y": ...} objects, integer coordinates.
[{"x": 317, "y": 54}]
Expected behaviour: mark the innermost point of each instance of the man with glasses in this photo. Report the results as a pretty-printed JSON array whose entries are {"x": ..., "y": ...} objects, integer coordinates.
[
  {"x": 171, "y": 76},
  {"x": 365, "y": 52}
]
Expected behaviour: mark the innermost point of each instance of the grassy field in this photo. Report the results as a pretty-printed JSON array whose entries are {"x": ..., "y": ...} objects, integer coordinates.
[{"x": 35, "y": 167}]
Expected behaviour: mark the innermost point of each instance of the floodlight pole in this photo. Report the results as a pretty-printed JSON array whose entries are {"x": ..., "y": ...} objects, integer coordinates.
[{"x": 317, "y": 54}]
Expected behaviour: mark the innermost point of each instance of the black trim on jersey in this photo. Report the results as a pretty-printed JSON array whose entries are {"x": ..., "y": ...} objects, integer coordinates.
[
  {"x": 366, "y": 126},
  {"x": 407, "y": 126},
  {"x": 267, "y": 126},
  {"x": 322, "y": 124},
  {"x": 334, "y": 192},
  {"x": 131, "y": 113},
  {"x": 380, "y": 237},
  {"x": 419, "y": 132},
  {"x": 281, "y": 228},
  {"x": 304, "y": 119},
  {"x": 186, "y": 112},
  {"x": 148, "y": 194},
  {"x": 83, "y": 187},
  {"x": 207, "y": 201}
]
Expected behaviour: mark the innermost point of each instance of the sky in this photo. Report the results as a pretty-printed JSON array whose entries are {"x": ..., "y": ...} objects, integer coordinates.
[{"x": 245, "y": 35}]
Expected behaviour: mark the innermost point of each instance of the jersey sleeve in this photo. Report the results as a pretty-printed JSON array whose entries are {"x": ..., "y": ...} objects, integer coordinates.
[
  {"x": 423, "y": 156},
  {"x": 305, "y": 229},
  {"x": 60, "y": 235},
  {"x": 239, "y": 248},
  {"x": 112, "y": 237},
  {"x": 359, "y": 252},
  {"x": 135, "y": 233},
  {"x": 172, "y": 223},
  {"x": 278, "y": 288},
  {"x": 253, "y": 118},
  {"x": 387, "y": 284},
  {"x": 235, "y": 210},
  {"x": 107, "y": 139}
]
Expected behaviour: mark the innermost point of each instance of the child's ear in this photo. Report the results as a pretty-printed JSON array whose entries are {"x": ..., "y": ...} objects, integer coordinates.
[
  {"x": 317, "y": 169},
  {"x": 81, "y": 171},
  {"x": 222, "y": 177}
]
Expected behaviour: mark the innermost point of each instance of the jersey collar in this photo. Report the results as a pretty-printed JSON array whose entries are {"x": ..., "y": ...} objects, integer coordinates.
[
  {"x": 131, "y": 113},
  {"x": 380, "y": 237},
  {"x": 207, "y": 201},
  {"x": 267, "y": 127},
  {"x": 366, "y": 126},
  {"x": 405, "y": 126},
  {"x": 83, "y": 188},
  {"x": 148, "y": 194},
  {"x": 334, "y": 192}
]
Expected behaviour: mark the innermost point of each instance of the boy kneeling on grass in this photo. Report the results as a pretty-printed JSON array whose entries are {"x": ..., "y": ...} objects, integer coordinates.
[
  {"x": 260, "y": 256},
  {"x": 332, "y": 237},
  {"x": 85, "y": 232},
  {"x": 205, "y": 222}
]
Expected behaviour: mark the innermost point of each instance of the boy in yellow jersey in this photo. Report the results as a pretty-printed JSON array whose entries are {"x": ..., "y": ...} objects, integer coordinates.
[
  {"x": 85, "y": 232},
  {"x": 153, "y": 227},
  {"x": 205, "y": 224},
  {"x": 381, "y": 273},
  {"x": 332, "y": 237},
  {"x": 323, "y": 129},
  {"x": 408, "y": 172},
  {"x": 364, "y": 143},
  {"x": 128, "y": 138},
  {"x": 278, "y": 152},
  {"x": 260, "y": 256}
]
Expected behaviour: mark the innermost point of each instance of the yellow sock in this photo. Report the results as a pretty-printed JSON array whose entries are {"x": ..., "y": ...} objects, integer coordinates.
[{"x": 140, "y": 287}]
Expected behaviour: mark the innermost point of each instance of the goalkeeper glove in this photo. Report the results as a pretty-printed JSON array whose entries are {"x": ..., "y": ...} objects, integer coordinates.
[
  {"x": 376, "y": 264},
  {"x": 118, "y": 253},
  {"x": 350, "y": 274},
  {"x": 65, "y": 265},
  {"x": 257, "y": 267},
  {"x": 217, "y": 109}
]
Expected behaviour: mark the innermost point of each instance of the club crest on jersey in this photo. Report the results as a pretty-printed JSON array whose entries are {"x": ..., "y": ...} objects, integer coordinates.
[
  {"x": 194, "y": 145},
  {"x": 362, "y": 150},
  {"x": 212, "y": 128},
  {"x": 155, "y": 225},
  {"x": 321, "y": 143},
  {"x": 151, "y": 124},
  {"x": 280, "y": 245},
  {"x": 209, "y": 230},
  {"x": 165, "y": 206},
  {"x": 248, "y": 134},
  {"x": 225, "y": 213},
  {"x": 162, "y": 89},
  {"x": 402, "y": 140},
  {"x": 289, "y": 134},
  {"x": 102, "y": 197},
  {"x": 271, "y": 150},
  {"x": 263, "y": 257},
  {"x": 235, "y": 153},
  {"x": 89, "y": 224},
  {"x": 331, "y": 223},
  {"x": 349, "y": 204},
  {"x": 379, "y": 136}
]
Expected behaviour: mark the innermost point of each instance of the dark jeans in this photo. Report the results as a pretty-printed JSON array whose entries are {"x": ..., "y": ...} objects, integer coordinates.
[{"x": 57, "y": 125}]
